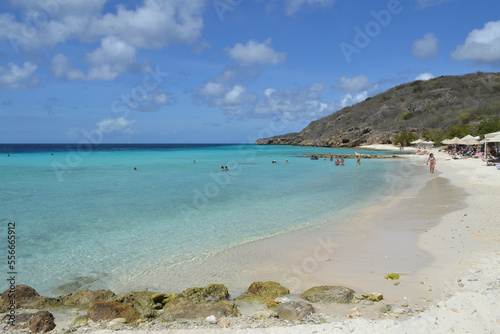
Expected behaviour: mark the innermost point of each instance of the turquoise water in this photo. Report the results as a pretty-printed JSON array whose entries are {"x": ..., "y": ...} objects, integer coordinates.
[{"x": 90, "y": 214}]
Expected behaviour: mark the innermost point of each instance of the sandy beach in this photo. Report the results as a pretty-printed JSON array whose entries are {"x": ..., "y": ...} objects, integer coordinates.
[{"x": 441, "y": 234}]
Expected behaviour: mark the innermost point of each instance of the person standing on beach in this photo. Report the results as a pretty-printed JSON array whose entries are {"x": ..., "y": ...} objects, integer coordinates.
[{"x": 432, "y": 161}]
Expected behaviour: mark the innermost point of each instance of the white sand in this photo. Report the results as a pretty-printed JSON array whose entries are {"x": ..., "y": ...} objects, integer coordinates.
[{"x": 461, "y": 283}]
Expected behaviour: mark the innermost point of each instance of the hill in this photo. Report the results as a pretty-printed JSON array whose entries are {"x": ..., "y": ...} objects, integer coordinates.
[{"x": 434, "y": 109}]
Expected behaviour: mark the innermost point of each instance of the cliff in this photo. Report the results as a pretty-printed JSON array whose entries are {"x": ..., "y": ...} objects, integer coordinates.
[{"x": 415, "y": 107}]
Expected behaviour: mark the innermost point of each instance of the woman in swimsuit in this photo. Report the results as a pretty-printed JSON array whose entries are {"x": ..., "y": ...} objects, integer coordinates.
[{"x": 432, "y": 160}]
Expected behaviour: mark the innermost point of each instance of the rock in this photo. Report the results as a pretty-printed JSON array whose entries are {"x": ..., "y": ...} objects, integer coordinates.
[
  {"x": 84, "y": 298},
  {"x": 163, "y": 298},
  {"x": 392, "y": 276},
  {"x": 211, "y": 319},
  {"x": 259, "y": 291},
  {"x": 184, "y": 308},
  {"x": 223, "y": 323},
  {"x": 294, "y": 310},
  {"x": 141, "y": 301},
  {"x": 81, "y": 321},
  {"x": 271, "y": 302},
  {"x": 328, "y": 294},
  {"x": 211, "y": 293},
  {"x": 26, "y": 297},
  {"x": 374, "y": 297},
  {"x": 386, "y": 308},
  {"x": 265, "y": 314},
  {"x": 120, "y": 320},
  {"x": 42, "y": 322},
  {"x": 109, "y": 310},
  {"x": 281, "y": 300}
]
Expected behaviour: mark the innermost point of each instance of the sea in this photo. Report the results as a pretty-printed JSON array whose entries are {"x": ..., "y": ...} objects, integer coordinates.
[{"x": 85, "y": 214}]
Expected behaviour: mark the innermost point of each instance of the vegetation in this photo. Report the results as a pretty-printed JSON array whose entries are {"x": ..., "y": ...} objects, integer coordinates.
[{"x": 404, "y": 138}]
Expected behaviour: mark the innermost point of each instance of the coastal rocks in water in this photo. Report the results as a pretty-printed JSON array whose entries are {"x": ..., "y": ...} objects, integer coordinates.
[
  {"x": 374, "y": 297},
  {"x": 184, "y": 308},
  {"x": 42, "y": 322},
  {"x": 259, "y": 292},
  {"x": 26, "y": 297},
  {"x": 328, "y": 294},
  {"x": 211, "y": 293},
  {"x": 109, "y": 310},
  {"x": 294, "y": 310},
  {"x": 84, "y": 298}
]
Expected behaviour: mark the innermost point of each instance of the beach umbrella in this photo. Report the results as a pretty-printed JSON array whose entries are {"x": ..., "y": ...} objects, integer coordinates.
[
  {"x": 495, "y": 139},
  {"x": 467, "y": 137},
  {"x": 416, "y": 142},
  {"x": 456, "y": 141},
  {"x": 472, "y": 141},
  {"x": 489, "y": 136},
  {"x": 446, "y": 142}
]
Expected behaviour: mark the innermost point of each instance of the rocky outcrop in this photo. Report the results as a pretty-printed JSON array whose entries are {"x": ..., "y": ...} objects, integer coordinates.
[
  {"x": 42, "y": 322},
  {"x": 26, "y": 297},
  {"x": 211, "y": 293},
  {"x": 328, "y": 294},
  {"x": 415, "y": 107},
  {"x": 84, "y": 298},
  {"x": 295, "y": 310},
  {"x": 109, "y": 310},
  {"x": 260, "y": 291},
  {"x": 141, "y": 301}
]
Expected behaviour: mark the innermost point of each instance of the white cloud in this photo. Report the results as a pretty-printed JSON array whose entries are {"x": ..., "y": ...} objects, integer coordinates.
[
  {"x": 18, "y": 77},
  {"x": 293, "y": 104},
  {"x": 481, "y": 45},
  {"x": 155, "y": 24},
  {"x": 111, "y": 59},
  {"x": 233, "y": 99},
  {"x": 425, "y": 76},
  {"x": 107, "y": 62},
  {"x": 109, "y": 125},
  {"x": 292, "y": 6},
  {"x": 61, "y": 67},
  {"x": 426, "y": 48},
  {"x": 350, "y": 99},
  {"x": 355, "y": 84},
  {"x": 254, "y": 52}
]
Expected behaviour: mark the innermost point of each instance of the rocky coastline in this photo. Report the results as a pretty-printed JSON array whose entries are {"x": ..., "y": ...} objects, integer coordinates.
[{"x": 264, "y": 304}]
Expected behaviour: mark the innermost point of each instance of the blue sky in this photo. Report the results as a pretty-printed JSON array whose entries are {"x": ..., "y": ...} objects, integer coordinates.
[{"x": 220, "y": 71}]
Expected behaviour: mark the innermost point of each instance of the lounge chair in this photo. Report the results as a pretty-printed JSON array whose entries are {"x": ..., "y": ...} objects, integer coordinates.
[{"x": 492, "y": 162}]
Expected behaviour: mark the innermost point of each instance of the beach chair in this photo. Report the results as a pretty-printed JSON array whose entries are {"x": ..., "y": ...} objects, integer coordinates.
[
  {"x": 419, "y": 152},
  {"x": 492, "y": 162}
]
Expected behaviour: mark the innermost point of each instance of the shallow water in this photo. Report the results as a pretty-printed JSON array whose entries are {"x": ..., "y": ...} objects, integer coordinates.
[{"x": 84, "y": 216}]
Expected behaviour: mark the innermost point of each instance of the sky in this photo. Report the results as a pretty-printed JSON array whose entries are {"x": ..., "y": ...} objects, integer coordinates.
[{"x": 220, "y": 71}]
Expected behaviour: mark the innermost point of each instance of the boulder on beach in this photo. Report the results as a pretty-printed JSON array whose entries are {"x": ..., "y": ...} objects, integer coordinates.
[
  {"x": 295, "y": 310},
  {"x": 108, "y": 310},
  {"x": 163, "y": 297},
  {"x": 211, "y": 293},
  {"x": 260, "y": 291},
  {"x": 373, "y": 296},
  {"x": 328, "y": 294},
  {"x": 184, "y": 308},
  {"x": 42, "y": 322},
  {"x": 141, "y": 301},
  {"x": 84, "y": 298},
  {"x": 26, "y": 297}
]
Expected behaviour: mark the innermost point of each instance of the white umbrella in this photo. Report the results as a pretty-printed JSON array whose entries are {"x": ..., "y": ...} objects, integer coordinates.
[
  {"x": 495, "y": 139},
  {"x": 472, "y": 141},
  {"x": 456, "y": 141},
  {"x": 418, "y": 141}
]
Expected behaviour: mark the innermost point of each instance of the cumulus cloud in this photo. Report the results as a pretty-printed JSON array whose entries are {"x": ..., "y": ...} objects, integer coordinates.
[
  {"x": 107, "y": 62},
  {"x": 292, "y": 6},
  {"x": 481, "y": 45},
  {"x": 155, "y": 24},
  {"x": 425, "y": 76},
  {"x": 355, "y": 84},
  {"x": 292, "y": 104},
  {"x": 14, "y": 76},
  {"x": 426, "y": 48},
  {"x": 119, "y": 124},
  {"x": 254, "y": 52}
]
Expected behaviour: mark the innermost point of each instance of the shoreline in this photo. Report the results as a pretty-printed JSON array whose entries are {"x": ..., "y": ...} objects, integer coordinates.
[{"x": 457, "y": 246}]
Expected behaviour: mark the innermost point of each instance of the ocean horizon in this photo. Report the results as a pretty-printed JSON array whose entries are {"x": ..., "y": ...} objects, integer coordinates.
[{"x": 92, "y": 216}]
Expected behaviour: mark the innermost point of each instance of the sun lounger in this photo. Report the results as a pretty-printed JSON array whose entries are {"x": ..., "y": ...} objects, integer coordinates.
[{"x": 492, "y": 162}]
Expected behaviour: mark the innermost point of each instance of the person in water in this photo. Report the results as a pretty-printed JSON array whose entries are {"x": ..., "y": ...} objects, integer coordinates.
[
  {"x": 342, "y": 161},
  {"x": 431, "y": 162}
]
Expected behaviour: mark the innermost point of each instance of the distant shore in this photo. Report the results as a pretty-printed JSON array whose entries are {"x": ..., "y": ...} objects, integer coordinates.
[{"x": 441, "y": 233}]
